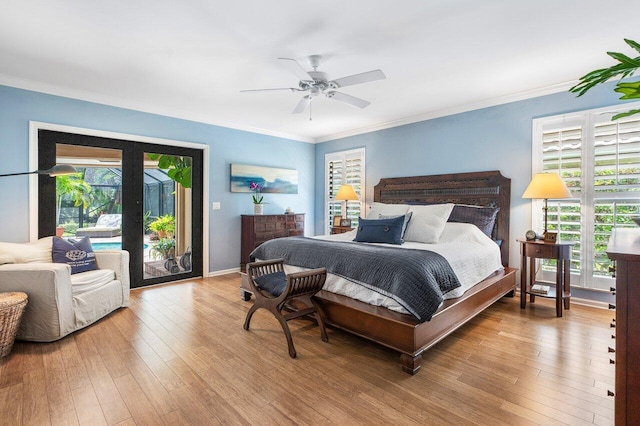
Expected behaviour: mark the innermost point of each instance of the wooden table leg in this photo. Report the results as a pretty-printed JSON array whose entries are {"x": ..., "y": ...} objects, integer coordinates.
[
  {"x": 559, "y": 287},
  {"x": 567, "y": 283},
  {"x": 523, "y": 282},
  {"x": 532, "y": 277}
]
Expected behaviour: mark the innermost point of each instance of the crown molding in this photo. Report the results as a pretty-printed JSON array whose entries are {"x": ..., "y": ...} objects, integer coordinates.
[
  {"x": 519, "y": 96},
  {"x": 137, "y": 106},
  {"x": 152, "y": 109}
]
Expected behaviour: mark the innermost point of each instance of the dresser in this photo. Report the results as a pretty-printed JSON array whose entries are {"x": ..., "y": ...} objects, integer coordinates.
[
  {"x": 256, "y": 229},
  {"x": 624, "y": 250}
]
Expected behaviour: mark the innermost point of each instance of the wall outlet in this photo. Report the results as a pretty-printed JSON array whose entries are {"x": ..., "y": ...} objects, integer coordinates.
[{"x": 215, "y": 205}]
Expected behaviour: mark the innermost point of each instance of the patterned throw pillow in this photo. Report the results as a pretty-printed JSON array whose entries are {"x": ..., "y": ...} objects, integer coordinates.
[{"x": 78, "y": 254}]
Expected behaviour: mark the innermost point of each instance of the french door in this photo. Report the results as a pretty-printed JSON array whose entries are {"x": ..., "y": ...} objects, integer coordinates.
[{"x": 143, "y": 197}]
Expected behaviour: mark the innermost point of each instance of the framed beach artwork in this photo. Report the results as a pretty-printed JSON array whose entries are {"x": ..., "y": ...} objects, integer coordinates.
[{"x": 270, "y": 179}]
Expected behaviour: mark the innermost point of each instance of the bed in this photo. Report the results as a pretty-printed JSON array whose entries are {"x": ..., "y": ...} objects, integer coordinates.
[{"x": 403, "y": 332}]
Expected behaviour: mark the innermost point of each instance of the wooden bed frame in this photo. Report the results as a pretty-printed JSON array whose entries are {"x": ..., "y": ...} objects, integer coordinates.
[{"x": 402, "y": 332}]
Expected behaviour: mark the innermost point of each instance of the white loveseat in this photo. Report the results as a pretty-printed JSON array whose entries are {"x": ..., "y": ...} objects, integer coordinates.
[{"x": 60, "y": 302}]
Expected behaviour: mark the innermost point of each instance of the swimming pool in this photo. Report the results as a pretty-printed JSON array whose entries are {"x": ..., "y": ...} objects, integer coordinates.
[{"x": 116, "y": 245}]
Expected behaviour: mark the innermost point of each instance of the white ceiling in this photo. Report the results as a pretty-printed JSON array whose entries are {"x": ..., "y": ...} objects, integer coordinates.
[{"x": 191, "y": 58}]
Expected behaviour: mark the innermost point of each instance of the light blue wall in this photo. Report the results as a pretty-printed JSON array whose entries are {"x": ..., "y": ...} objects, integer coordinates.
[
  {"x": 495, "y": 138},
  {"x": 18, "y": 107}
]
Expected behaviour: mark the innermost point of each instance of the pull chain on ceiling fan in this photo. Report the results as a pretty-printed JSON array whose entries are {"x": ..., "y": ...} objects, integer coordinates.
[{"x": 317, "y": 82}]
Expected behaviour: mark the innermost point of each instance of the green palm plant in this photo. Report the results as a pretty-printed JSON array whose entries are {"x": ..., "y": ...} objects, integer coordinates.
[
  {"x": 76, "y": 188},
  {"x": 626, "y": 67}
]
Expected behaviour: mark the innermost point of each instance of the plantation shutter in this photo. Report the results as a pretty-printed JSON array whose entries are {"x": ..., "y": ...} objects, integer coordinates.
[
  {"x": 616, "y": 183},
  {"x": 562, "y": 154},
  {"x": 344, "y": 167},
  {"x": 599, "y": 160}
]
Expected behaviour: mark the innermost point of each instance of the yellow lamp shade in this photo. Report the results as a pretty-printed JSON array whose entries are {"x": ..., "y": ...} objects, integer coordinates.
[
  {"x": 545, "y": 186},
  {"x": 346, "y": 193}
]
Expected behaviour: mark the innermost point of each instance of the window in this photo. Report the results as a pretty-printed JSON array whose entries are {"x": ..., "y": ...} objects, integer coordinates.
[
  {"x": 599, "y": 160},
  {"x": 341, "y": 168}
]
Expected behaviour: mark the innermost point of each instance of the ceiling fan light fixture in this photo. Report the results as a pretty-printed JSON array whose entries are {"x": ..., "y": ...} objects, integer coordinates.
[{"x": 317, "y": 82}]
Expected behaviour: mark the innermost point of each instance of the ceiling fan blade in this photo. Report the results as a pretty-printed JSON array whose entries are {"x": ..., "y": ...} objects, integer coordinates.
[
  {"x": 347, "y": 99},
  {"x": 290, "y": 89},
  {"x": 364, "y": 77},
  {"x": 296, "y": 68},
  {"x": 302, "y": 105}
]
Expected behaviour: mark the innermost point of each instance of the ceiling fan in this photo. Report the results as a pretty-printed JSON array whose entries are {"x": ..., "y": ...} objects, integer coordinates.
[{"x": 315, "y": 83}]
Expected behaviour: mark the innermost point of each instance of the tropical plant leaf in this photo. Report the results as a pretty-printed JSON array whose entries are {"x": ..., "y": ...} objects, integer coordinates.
[
  {"x": 625, "y": 114},
  {"x": 629, "y": 90},
  {"x": 626, "y": 67},
  {"x": 624, "y": 59},
  {"x": 633, "y": 44}
]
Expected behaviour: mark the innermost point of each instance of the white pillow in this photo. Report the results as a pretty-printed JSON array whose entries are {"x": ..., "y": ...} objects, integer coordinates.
[
  {"x": 383, "y": 209},
  {"x": 36, "y": 252},
  {"x": 427, "y": 223}
]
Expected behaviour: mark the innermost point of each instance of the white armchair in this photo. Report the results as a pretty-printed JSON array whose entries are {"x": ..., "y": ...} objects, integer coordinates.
[{"x": 60, "y": 303}]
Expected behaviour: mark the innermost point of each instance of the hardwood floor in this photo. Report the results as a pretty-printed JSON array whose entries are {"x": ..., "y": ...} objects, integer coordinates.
[{"x": 179, "y": 355}]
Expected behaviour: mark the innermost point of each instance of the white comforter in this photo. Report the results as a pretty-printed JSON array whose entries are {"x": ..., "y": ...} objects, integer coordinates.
[{"x": 472, "y": 255}]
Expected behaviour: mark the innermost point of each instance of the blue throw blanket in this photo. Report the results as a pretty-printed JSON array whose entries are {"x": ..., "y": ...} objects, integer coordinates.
[{"x": 416, "y": 279}]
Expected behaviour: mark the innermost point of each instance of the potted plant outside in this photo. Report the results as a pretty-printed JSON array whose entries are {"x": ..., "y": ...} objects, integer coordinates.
[{"x": 164, "y": 226}]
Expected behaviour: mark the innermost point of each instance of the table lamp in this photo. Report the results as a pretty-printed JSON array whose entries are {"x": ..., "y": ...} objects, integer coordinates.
[
  {"x": 544, "y": 186},
  {"x": 346, "y": 193}
]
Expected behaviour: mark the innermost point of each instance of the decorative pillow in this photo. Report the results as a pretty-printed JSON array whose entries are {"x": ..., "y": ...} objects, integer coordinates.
[
  {"x": 483, "y": 217},
  {"x": 79, "y": 255},
  {"x": 407, "y": 218},
  {"x": 273, "y": 284},
  {"x": 35, "y": 252},
  {"x": 378, "y": 209},
  {"x": 427, "y": 223},
  {"x": 380, "y": 230}
]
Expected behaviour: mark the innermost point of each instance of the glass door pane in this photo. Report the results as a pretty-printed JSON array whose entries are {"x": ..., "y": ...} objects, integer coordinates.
[
  {"x": 167, "y": 215},
  {"x": 88, "y": 204}
]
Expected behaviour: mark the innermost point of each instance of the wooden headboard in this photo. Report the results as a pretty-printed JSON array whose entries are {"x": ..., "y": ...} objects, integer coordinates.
[{"x": 489, "y": 189}]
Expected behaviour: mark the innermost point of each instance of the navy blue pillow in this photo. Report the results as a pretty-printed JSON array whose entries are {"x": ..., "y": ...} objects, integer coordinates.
[
  {"x": 273, "y": 284},
  {"x": 78, "y": 254},
  {"x": 483, "y": 217},
  {"x": 380, "y": 230}
]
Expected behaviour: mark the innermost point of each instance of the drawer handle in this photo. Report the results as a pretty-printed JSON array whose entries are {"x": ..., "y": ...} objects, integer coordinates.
[
  {"x": 613, "y": 336},
  {"x": 611, "y": 361},
  {"x": 609, "y": 393},
  {"x": 611, "y": 350},
  {"x": 612, "y": 325},
  {"x": 538, "y": 251},
  {"x": 612, "y": 306}
]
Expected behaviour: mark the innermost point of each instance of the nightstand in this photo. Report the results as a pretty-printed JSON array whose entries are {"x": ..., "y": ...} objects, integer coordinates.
[
  {"x": 340, "y": 229},
  {"x": 538, "y": 249}
]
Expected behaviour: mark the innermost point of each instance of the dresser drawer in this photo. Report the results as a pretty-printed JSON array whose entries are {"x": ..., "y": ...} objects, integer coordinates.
[
  {"x": 261, "y": 237},
  {"x": 540, "y": 251},
  {"x": 257, "y": 229}
]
